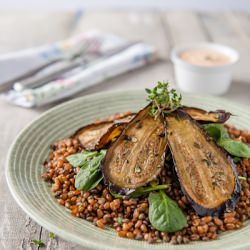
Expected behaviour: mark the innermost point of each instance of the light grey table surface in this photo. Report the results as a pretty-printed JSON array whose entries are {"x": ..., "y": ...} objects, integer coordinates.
[{"x": 163, "y": 29}]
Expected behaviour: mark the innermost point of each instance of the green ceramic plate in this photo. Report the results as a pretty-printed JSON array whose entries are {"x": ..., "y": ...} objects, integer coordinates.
[{"x": 30, "y": 149}]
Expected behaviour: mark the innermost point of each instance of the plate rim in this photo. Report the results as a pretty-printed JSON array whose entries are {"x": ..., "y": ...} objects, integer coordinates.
[{"x": 68, "y": 236}]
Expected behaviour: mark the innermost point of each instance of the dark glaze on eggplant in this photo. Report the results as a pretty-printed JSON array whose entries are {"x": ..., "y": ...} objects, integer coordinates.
[
  {"x": 97, "y": 135},
  {"x": 206, "y": 174},
  {"x": 218, "y": 116},
  {"x": 137, "y": 156}
]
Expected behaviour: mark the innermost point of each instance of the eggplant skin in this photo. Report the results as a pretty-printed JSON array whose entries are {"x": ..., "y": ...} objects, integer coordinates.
[
  {"x": 207, "y": 175},
  {"x": 98, "y": 135},
  {"x": 138, "y": 155},
  {"x": 218, "y": 116},
  {"x": 113, "y": 132}
]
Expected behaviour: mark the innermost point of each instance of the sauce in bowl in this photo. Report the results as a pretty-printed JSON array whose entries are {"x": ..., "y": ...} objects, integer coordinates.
[{"x": 205, "y": 57}]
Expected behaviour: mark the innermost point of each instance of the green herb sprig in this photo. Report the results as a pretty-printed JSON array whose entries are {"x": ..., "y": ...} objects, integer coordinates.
[
  {"x": 51, "y": 235},
  {"x": 164, "y": 100}
]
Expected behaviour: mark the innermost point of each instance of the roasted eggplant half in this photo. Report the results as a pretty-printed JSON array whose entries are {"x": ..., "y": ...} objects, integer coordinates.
[
  {"x": 90, "y": 135},
  {"x": 203, "y": 116},
  {"x": 206, "y": 173},
  {"x": 137, "y": 156},
  {"x": 97, "y": 135}
]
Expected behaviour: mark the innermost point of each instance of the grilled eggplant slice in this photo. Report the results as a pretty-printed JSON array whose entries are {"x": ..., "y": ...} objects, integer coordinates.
[
  {"x": 97, "y": 135},
  {"x": 218, "y": 116},
  {"x": 137, "y": 156},
  {"x": 90, "y": 135},
  {"x": 206, "y": 174}
]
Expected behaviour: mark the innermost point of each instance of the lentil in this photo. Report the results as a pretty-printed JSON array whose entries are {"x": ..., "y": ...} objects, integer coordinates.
[{"x": 129, "y": 217}]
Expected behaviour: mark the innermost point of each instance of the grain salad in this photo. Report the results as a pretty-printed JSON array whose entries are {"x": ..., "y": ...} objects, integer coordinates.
[{"x": 106, "y": 200}]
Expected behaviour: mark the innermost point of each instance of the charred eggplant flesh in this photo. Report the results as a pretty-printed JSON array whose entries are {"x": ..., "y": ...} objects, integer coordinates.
[
  {"x": 206, "y": 173},
  {"x": 137, "y": 156}
]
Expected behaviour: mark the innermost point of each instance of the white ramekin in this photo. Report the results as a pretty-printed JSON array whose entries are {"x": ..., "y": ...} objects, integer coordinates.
[{"x": 214, "y": 80}]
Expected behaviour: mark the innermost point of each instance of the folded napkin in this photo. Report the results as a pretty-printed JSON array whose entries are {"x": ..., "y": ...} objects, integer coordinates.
[{"x": 89, "y": 59}]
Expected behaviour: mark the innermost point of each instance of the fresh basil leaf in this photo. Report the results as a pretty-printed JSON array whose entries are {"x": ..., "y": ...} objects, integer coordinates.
[
  {"x": 216, "y": 131},
  {"x": 76, "y": 160},
  {"x": 89, "y": 175},
  {"x": 164, "y": 213},
  {"x": 219, "y": 133},
  {"x": 87, "y": 179},
  {"x": 235, "y": 148}
]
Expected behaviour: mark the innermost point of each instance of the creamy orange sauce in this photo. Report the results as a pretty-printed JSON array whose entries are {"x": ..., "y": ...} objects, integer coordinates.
[{"x": 205, "y": 57}]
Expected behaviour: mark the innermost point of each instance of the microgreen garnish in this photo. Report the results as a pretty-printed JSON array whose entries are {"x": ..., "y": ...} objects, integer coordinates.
[
  {"x": 38, "y": 243},
  {"x": 164, "y": 100},
  {"x": 51, "y": 235}
]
